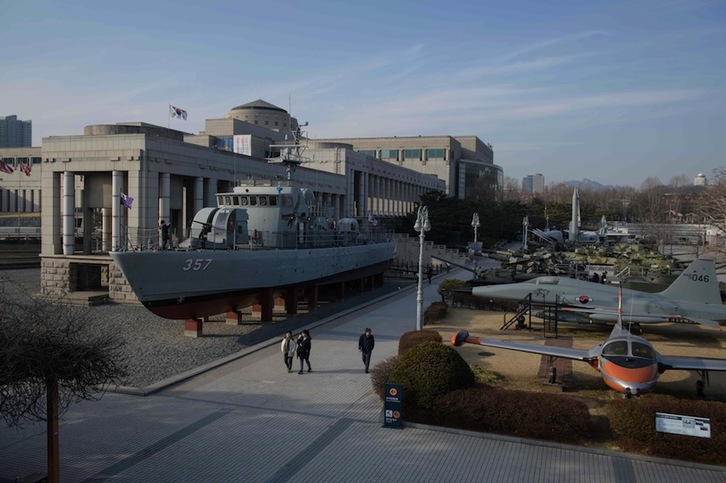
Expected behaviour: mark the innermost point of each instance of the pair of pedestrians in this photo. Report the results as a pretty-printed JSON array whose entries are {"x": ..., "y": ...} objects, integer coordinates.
[{"x": 300, "y": 348}]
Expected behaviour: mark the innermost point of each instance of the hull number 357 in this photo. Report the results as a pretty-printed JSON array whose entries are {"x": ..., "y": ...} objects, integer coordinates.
[{"x": 196, "y": 265}]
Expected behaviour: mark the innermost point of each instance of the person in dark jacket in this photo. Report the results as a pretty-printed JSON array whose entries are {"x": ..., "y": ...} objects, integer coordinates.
[
  {"x": 303, "y": 350},
  {"x": 366, "y": 342}
]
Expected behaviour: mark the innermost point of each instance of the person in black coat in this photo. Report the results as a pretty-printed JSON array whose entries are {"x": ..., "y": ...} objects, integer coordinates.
[
  {"x": 303, "y": 350},
  {"x": 366, "y": 342}
]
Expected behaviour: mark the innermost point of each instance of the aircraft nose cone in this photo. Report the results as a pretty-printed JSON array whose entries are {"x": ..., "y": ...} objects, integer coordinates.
[{"x": 459, "y": 338}]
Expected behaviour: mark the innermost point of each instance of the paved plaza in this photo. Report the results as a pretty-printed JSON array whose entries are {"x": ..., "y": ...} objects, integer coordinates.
[{"x": 249, "y": 420}]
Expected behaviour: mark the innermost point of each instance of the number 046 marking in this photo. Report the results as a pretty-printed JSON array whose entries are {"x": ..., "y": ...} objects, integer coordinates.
[
  {"x": 196, "y": 265},
  {"x": 699, "y": 278}
]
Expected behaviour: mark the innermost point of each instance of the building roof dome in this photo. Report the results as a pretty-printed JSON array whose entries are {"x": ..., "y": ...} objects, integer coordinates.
[{"x": 259, "y": 104}]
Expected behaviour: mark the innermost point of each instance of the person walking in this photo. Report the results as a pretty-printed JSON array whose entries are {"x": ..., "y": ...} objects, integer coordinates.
[
  {"x": 303, "y": 350},
  {"x": 288, "y": 348},
  {"x": 164, "y": 234},
  {"x": 429, "y": 274},
  {"x": 366, "y": 342}
]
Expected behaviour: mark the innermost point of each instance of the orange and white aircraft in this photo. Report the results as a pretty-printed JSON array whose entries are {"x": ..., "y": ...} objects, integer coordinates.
[{"x": 628, "y": 363}]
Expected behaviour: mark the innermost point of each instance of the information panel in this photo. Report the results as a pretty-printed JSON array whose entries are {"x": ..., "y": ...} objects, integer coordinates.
[
  {"x": 687, "y": 425},
  {"x": 393, "y": 406}
]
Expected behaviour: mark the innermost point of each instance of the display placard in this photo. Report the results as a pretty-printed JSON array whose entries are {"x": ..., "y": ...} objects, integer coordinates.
[
  {"x": 687, "y": 425},
  {"x": 393, "y": 406}
]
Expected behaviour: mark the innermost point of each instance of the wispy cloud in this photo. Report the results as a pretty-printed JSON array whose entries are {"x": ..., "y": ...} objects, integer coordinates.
[{"x": 547, "y": 43}]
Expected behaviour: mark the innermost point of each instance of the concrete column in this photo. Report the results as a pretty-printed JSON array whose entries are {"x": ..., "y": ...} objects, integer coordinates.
[
  {"x": 350, "y": 201},
  {"x": 117, "y": 179},
  {"x": 164, "y": 197},
  {"x": 394, "y": 193},
  {"x": 198, "y": 194},
  {"x": 361, "y": 194},
  {"x": 210, "y": 192},
  {"x": 379, "y": 194},
  {"x": 387, "y": 196},
  {"x": 69, "y": 226},
  {"x": 106, "y": 228}
]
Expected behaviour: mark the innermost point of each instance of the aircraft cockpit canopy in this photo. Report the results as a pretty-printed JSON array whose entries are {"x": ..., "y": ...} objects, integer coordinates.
[
  {"x": 620, "y": 348},
  {"x": 547, "y": 280}
]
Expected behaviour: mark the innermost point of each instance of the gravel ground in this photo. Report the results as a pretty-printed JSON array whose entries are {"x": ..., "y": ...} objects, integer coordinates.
[{"x": 156, "y": 348}]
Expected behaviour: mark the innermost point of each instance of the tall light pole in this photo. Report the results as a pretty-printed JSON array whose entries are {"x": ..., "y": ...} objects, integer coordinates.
[
  {"x": 422, "y": 225},
  {"x": 475, "y": 224}
]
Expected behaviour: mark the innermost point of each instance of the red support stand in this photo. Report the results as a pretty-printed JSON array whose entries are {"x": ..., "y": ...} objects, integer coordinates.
[
  {"x": 267, "y": 301},
  {"x": 312, "y": 295},
  {"x": 340, "y": 290},
  {"x": 193, "y": 327},
  {"x": 233, "y": 317},
  {"x": 291, "y": 301}
]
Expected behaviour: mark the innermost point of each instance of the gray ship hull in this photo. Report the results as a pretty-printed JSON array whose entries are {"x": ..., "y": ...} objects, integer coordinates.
[{"x": 190, "y": 284}]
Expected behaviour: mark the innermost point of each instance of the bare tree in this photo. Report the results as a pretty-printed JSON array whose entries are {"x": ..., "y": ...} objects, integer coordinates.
[
  {"x": 712, "y": 204},
  {"x": 680, "y": 181},
  {"x": 49, "y": 358}
]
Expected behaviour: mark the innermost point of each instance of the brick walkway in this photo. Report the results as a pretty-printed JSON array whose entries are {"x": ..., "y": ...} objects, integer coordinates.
[{"x": 250, "y": 420}]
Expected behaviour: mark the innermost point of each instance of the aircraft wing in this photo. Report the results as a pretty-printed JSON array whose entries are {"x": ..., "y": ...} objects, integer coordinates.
[
  {"x": 566, "y": 353},
  {"x": 607, "y": 315},
  {"x": 690, "y": 363}
]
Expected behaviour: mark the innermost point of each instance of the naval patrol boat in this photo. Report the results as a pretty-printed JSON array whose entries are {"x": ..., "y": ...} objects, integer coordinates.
[{"x": 263, "y": 236}]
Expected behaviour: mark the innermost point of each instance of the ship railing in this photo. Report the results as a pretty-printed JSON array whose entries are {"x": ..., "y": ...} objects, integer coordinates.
[
  {"x": 291, "y": 240},
  {"x": 258, "y": 240}
]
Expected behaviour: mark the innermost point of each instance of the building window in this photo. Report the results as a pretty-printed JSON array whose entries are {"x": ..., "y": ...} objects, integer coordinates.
[
  {"x": 436, "y": 153},
  {"x": 412, "y": 154},
  {"x": 224, "y": 143},
  {"x": 368, "y": 152},
  {"x": 276, "y": 123},
  {"x": 389, "y": 153},
  {"x": 37, "y": 160},
  {"x": 267, "y": 123}
]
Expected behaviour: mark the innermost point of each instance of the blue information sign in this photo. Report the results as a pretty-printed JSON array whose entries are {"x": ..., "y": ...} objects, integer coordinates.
[{"x": 393, "y": 406}]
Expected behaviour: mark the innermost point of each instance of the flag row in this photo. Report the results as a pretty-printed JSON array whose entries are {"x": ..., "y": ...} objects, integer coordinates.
[{"x": 24, "y": 167}]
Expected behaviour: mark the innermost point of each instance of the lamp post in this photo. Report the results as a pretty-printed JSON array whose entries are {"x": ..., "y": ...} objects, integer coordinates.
[
  {"x": 475, "y": 224},
  {"x": 422, "y": 225}
]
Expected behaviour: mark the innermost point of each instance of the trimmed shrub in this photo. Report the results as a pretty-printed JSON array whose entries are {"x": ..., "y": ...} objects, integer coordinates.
[
  {"x": 415, "y": 337},
  {"x": 380, "y": 374},
  {"x": 448, "y": 287},
  {"x": 633, "y": 424},
  {"x": 429, "y": 371},
  {"x": 435, "y": 312},
  {"x": 484, "y": 376},
  {"x": 552, "y": 417}
]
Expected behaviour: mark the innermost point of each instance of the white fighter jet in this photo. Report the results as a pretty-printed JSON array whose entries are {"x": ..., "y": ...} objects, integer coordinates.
[{"x": 694, "y": 297}]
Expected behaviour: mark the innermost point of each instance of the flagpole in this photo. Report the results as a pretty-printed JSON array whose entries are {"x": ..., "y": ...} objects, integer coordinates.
[
  {"x": 17, "y": 200},
  {"x": 168, "y": 117}
]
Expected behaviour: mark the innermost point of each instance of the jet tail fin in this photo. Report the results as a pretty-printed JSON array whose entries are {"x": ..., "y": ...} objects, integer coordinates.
[{"x": 697, "y": 283}]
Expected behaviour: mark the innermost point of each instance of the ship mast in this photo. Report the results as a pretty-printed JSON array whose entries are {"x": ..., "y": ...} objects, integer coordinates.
[{"x": 291, "y": 153}]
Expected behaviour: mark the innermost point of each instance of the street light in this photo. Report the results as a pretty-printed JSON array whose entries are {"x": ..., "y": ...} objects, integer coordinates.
[
  {"x": 475, "y": 223},
  {"x": 422, "y": 225}
]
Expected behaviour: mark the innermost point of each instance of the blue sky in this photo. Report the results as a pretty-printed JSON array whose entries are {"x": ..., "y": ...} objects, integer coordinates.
[{"x": 614, "y": 91}]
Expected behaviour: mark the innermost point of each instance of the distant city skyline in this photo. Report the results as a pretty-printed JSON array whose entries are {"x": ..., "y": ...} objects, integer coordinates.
[
  {"x": 614, "y": 91},
  {"x": 14, "y": 132}
]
